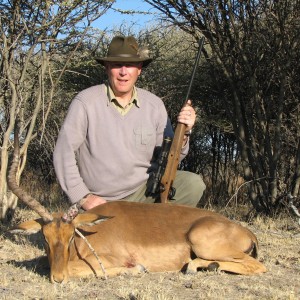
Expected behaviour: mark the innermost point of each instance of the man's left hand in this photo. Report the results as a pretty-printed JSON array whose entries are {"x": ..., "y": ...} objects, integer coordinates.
[{"x": 187, "y": 116}]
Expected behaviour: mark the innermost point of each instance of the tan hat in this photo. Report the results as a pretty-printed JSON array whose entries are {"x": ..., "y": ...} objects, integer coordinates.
[{"x": 126, "y": 49}]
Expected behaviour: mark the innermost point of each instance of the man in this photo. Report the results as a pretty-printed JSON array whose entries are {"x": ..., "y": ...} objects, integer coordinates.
[{"x": 114, "y": 129}]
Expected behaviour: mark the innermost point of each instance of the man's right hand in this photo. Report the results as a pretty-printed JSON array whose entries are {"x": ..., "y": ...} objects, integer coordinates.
[{"x": 92, "y": 201}]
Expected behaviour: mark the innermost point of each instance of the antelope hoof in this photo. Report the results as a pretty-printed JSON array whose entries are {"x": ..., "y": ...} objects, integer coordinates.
[
  {"x": 214, "y": 266},
  {"x": 141, "y": 269},
  {"x": 190, "y": 270}
]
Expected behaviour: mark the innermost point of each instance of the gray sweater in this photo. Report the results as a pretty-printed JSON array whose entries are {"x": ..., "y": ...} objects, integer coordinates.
[{"x": 100, "y": 151}]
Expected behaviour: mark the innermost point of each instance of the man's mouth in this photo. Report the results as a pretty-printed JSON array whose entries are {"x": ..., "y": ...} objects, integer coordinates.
[{"x": 122, "y": 81}]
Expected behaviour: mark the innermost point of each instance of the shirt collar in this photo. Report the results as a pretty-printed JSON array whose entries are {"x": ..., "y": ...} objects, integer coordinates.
[{"x": 111, "y": 95}]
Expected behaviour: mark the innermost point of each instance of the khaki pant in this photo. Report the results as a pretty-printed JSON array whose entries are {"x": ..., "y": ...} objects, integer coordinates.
[{"x": 189, "y": 190}]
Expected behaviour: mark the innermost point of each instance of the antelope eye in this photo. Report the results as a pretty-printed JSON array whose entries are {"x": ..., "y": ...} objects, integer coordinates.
[
  {"x": 46, "y": 242},
  {"x": 44, "y": 238},
  {"x": 71, "y": 240}
]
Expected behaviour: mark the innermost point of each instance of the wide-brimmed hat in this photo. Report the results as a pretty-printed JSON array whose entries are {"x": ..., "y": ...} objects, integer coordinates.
[{"x": 126, "y": 49}]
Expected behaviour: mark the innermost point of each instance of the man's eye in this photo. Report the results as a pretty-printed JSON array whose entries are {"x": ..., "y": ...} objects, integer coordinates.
[
  {"x": 131, "y": 65},
  {"x": 127, "y": 65},
  {"x": 116, "y": 66}
]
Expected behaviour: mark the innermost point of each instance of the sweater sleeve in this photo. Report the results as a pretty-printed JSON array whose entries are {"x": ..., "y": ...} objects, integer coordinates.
[{"x": 71, "y": 136}]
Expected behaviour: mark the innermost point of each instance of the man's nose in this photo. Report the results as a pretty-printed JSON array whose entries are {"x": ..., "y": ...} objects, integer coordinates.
[{"x": 123, "y": 70}]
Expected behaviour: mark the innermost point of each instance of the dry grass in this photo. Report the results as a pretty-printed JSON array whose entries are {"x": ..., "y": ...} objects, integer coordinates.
[{"x": 24, "y": 273}]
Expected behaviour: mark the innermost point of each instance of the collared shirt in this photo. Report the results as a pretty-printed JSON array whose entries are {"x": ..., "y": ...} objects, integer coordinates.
[{"x": 113, "y": 100}]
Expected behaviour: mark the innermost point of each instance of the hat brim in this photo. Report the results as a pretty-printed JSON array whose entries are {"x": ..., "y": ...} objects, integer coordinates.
[{"x": 145, "y": 62}]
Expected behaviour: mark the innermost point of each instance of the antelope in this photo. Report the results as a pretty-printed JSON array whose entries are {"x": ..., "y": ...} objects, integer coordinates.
[{"x": 131, "y": 237}]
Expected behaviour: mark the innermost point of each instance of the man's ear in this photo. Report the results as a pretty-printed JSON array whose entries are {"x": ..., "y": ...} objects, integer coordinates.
[
  {"x": 106, "y": 65},
  {"x": 140, "y": 66}
]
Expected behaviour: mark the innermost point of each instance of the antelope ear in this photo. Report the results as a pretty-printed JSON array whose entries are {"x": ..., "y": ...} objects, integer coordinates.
[
  {"x": 28, "y": 227},
  {"x": 88, "y": 219}
]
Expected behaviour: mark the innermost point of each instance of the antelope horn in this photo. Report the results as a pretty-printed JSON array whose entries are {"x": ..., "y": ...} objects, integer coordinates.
[{"x": 16, "y": 189}]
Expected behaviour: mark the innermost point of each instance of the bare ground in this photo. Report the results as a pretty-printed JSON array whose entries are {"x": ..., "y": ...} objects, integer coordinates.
[{"x": 24, "y": 273}]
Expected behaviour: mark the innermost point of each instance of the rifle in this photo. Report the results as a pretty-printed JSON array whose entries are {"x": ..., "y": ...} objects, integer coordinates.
[{"x": 171, "y": 149}]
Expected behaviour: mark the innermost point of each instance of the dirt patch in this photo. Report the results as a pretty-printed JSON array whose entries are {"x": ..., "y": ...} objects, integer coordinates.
[{"x": 24, "y": 273}]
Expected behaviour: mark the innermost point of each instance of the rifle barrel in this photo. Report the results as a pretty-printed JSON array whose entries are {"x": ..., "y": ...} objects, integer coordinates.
[
  {"x": 174, "y": 153},
  {"x": 200, "y": 42}
]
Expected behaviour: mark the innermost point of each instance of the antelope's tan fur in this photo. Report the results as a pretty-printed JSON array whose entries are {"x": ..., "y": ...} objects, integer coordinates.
[{"x": 158, "y": 237}]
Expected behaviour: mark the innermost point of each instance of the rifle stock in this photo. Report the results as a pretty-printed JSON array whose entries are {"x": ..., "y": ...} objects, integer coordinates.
[
  {"x": 175, "y": 149},
  {"x": 173, "y": 161}
]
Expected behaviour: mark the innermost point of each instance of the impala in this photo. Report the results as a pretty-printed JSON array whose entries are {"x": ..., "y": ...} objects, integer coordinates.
[{"x": 130, "y": 237}]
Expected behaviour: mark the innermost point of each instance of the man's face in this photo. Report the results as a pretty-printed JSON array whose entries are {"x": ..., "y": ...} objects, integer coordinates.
[{"x": 122, "y": 76}]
